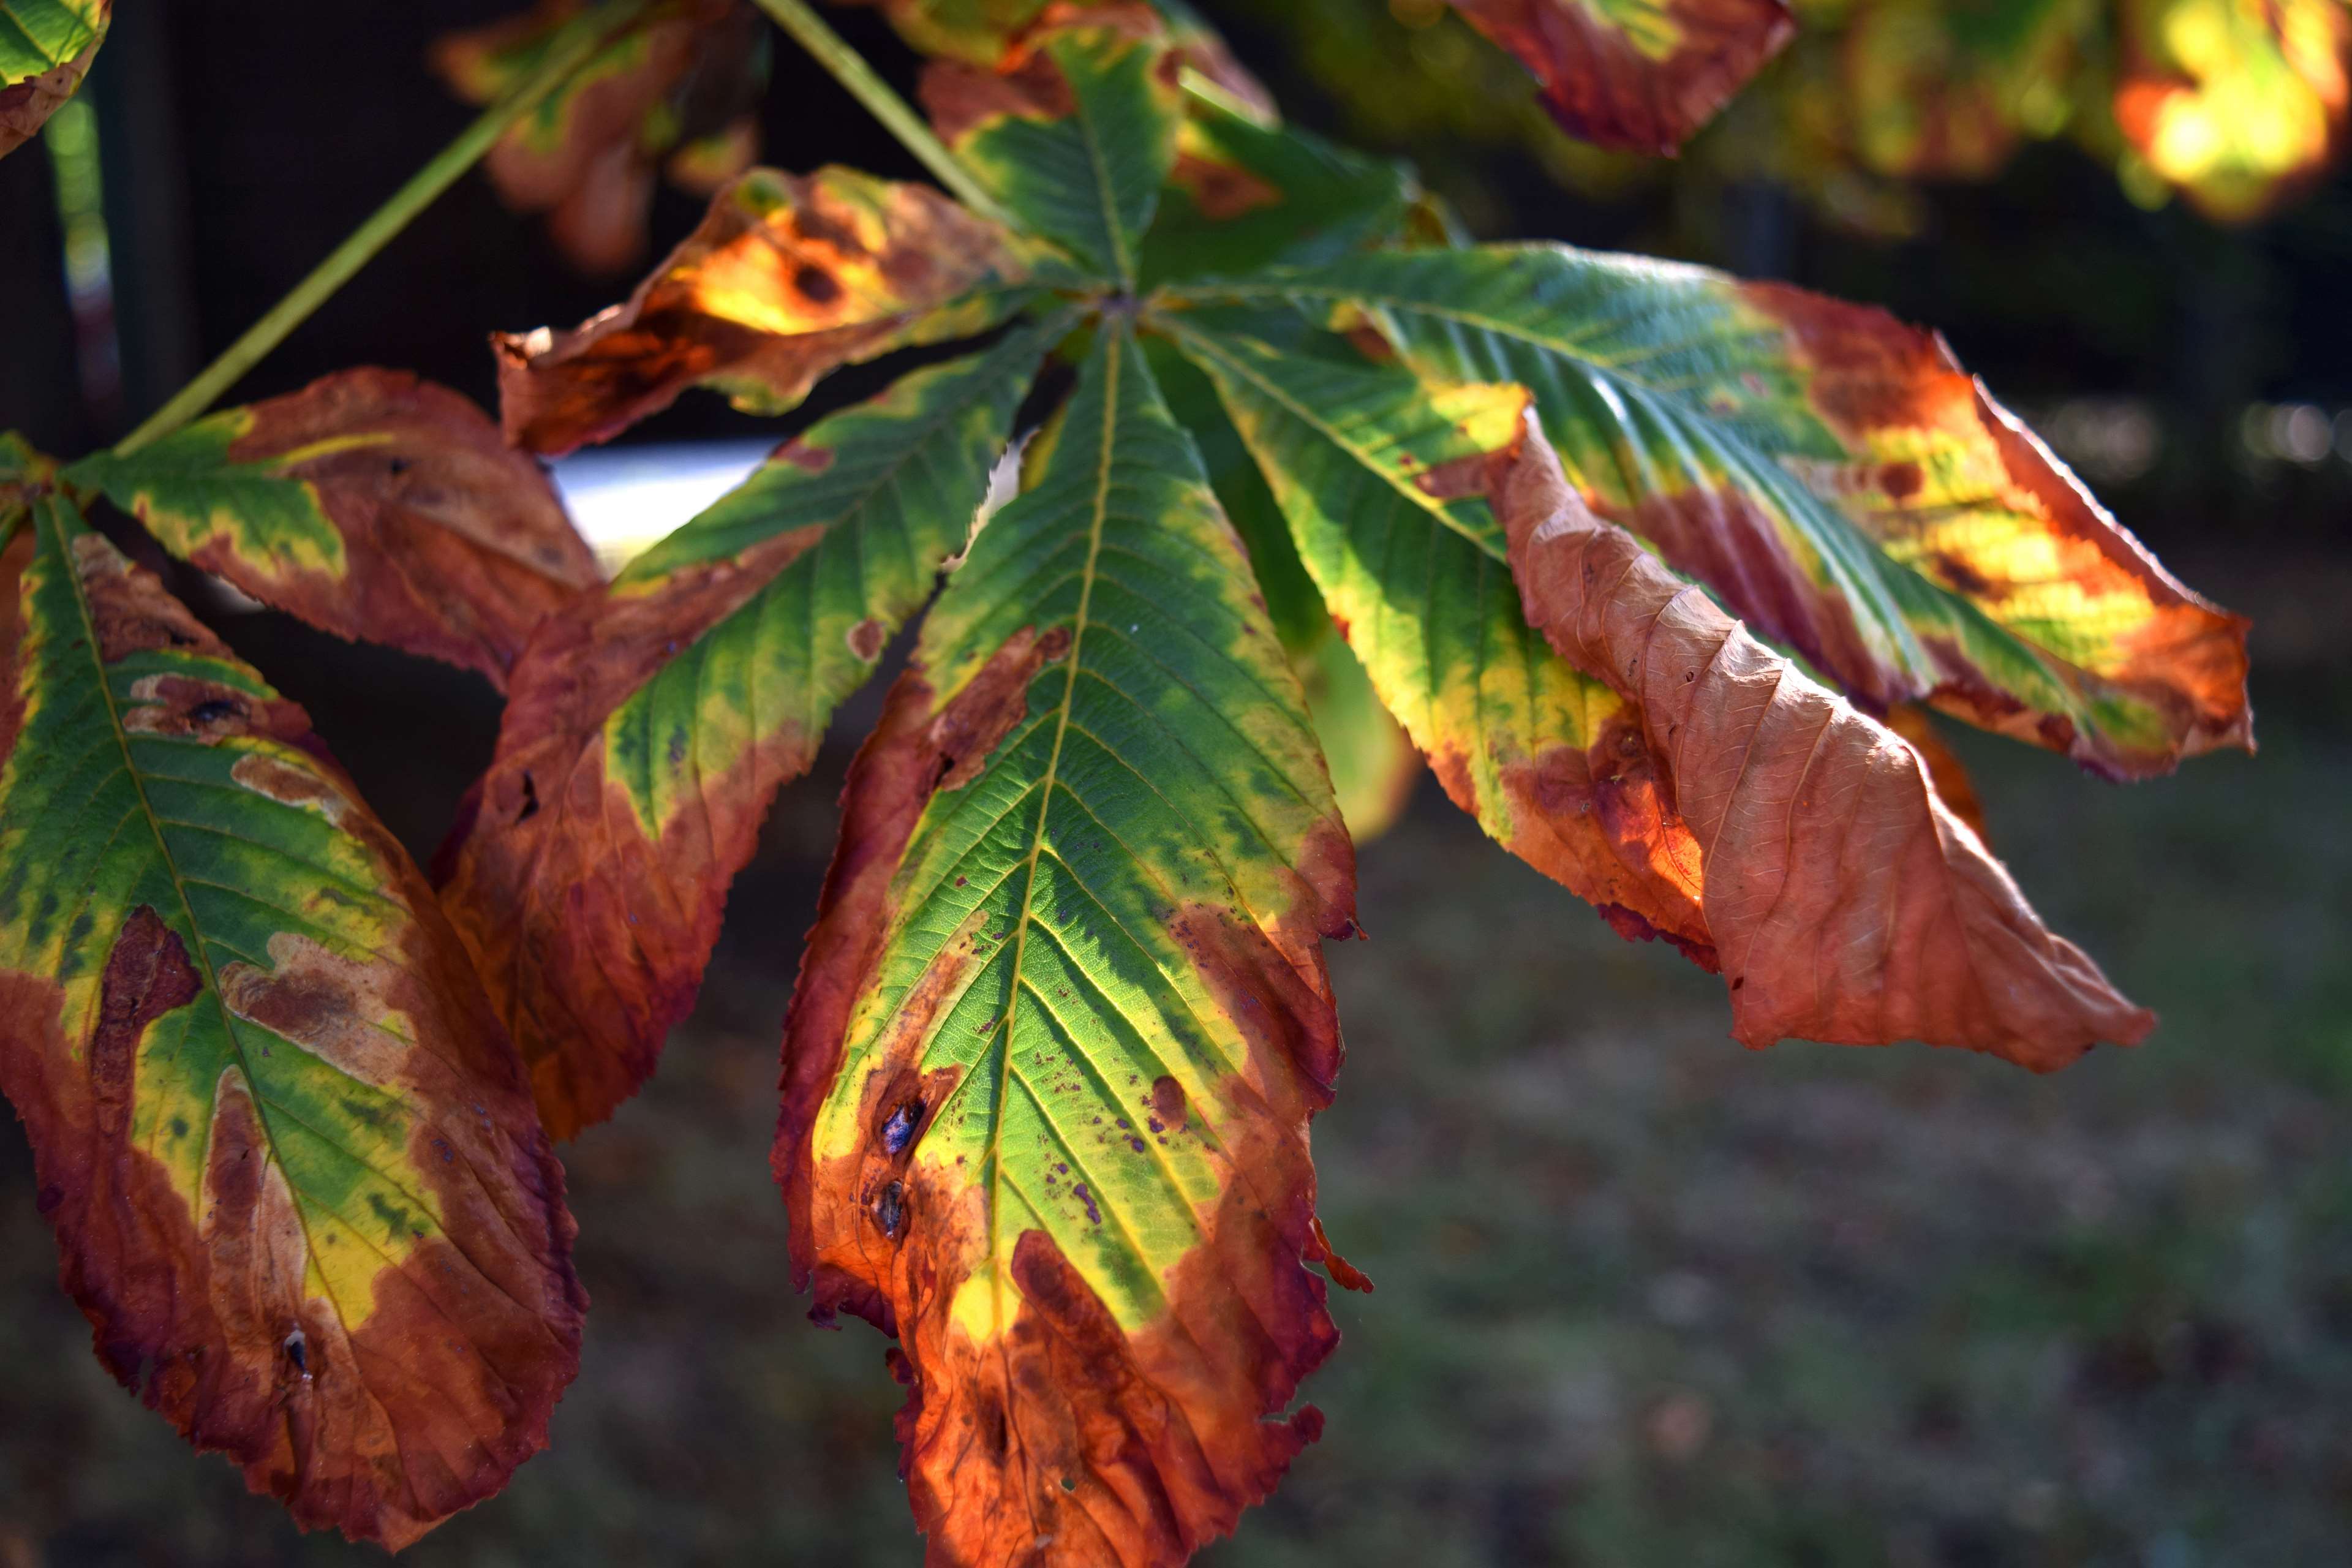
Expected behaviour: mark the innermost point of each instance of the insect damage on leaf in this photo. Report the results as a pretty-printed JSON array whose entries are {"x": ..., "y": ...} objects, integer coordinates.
[
  {"x": 1641, "y": 75},
  {"x": 372, "y": 505},
  {"x": 290, "y": 1161},
  {"x": 1845, "y": 902},
  {"x": 788, "y": 277},
  {"x": 46, "y": 49},
  {"x": 651, "y": 725},
  {"x": 683, "y": 84},
  {"x": 1064, "y": 1018}
]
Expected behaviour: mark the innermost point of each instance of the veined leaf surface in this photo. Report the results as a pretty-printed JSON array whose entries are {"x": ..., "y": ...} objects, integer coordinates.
[
  {"x": 789, "y": 277},
  {"x": 372, "y": 505},
  {"x": 46, "y": 48},
  {"x": 650, "y": 726},
  {"x": 1836, "y": 477},
  {"x": 1074, "y": 128},
  {"x": 1846, "y": 903},
  {"x": 1641, "y": 75},
  {"x": 292, "y": 1165},
  {"x": 1064, "y": 1018},
  {"x": 1546, "y": 758},
  {"x": 2235, "y": 101}
]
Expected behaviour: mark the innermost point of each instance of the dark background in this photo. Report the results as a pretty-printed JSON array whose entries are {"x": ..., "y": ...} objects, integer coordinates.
[{"x": 1644, "y": 1299}]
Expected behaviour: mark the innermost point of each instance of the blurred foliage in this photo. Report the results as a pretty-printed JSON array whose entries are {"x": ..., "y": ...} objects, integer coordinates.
[{"x": 2236, "y": 105}]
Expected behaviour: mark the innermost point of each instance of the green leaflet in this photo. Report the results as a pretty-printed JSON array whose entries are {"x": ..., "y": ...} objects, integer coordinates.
[
  {"x": 650, "y": 726},
  {"x": 190, "y": 491},
  {"x": 255, "y": 1071},
  {"x": 1151, "y": 778},
  {"x": 1065, "y": 1016},
  {"x": 1247, "y": 196},
  {"x": 1085, "y": 174},
  {"x": 1677, "y": 407}
]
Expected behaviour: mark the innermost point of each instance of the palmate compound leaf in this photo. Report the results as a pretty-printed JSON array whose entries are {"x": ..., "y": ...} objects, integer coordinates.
[
  {"x": 1381, "y": 472},
  {"x": 787, "y": 278},
  {"x": 370, "y": 504},
  {"x": 46, "y": 49},
  {"x": 682, "y": 86},
  {"x": 292, "y": 1163},
  {"x": 1835, "y": 475},
  {"x": 1074, "y": 128},
  {"x": 1845, "y": 902},
  {"x": 1641, "y": 75},
  {"x": 1064, "y": 1018},
  {"x": 649, "y": 726}
]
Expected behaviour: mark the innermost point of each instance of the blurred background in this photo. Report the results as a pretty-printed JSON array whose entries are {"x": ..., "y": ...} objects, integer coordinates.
[{"x": 1644, "y": 1298}]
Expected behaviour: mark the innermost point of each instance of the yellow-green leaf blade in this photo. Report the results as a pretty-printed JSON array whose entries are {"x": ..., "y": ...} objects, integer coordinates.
[
  {"x": 46, "y": 48},
  {"x": 651, "y": 725},
  {"x": 1064, "y": 1018},
  {"x": 287, "y": 1150}
]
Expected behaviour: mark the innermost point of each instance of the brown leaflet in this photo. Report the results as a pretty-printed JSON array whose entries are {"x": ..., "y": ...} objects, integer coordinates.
[
  {"x": 200, "y": 1303},
  {"x": 546, "y": 876},
  {"x": 595, "y": 177},
  {"x": 787, "y": 277},
  {"x": 1846, "y": 901},
  {"x": 456, "y": 545},
  {"x": 1605, "y": 88},
  {"x": 1024, "y": 82},
  {"x": 1069, "y": 1441},
  {"x": 1879, "y": 383}
]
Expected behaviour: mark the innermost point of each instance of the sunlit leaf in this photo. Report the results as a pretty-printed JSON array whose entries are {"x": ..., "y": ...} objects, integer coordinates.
[
  {"x": 1641, "y": 75},
  {"x": 1374, "y": 764},
  {"x": 1063, "y": 1019},
  {"x": 1844, "y": 901},
  {"x": 371, "y": 504},
  {"x": 1835, "y": 476},
  {"x": 686, "y": 80},
  {"x": 1074, "y": 128},
  {"x": 788, "y": 277},
  {"x": 2236, "y": 100},
  {"x": 287, "y": 1151},
  {"x": 1538, "y": 752},
  {"x": 650, "y": 726},
  {"x": 46, "y": 48}
]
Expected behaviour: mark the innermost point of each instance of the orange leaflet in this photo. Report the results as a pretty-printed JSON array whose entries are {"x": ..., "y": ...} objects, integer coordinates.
[{"x": 1844, "y": 899}]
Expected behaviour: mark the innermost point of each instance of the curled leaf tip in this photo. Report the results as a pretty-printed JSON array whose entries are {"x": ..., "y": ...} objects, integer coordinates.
[{"x": 1846, "y": 903}]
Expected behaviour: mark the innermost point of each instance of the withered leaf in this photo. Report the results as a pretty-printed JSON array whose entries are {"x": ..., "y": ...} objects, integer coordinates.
[
  {"x": 372, "y": 505},
  {"x": 287, "y": 1151},
  {"x": 1845, "y": 901},
  {"x": 46, "y": 49},
  {"x": 788, "y": 277}
]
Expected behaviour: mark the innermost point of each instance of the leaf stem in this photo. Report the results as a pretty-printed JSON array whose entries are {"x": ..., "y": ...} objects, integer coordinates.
[
  {"x": 832, "y": 51},
  {"x": 572, "y": 48}
]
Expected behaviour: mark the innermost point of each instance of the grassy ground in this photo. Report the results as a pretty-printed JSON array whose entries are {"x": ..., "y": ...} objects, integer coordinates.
[{"x": 1645, "y": 1298}]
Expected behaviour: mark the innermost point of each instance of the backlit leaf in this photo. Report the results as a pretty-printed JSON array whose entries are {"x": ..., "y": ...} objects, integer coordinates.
[
  {"x": 2236, "y": 100},
  {"x": 1074, "y": 128},
  {"x": 1845, "y": 902},
  {"x": 1064, "y": 1018},
  {"x": 1419, "y": 582},
  {"x": 1948, "y": 88},
  {"x": 371, "y": 504},
  {"x": 687, "y": 81},
  {"x": 1836, "y": 477},
  {"x": 788, "y": 277},
  {"x": 650, "y": 726},
  {"x": 1641, "y": 75},
  {"x": 289, "y": 1153},
  {"x": 46, "y": 48},
  {"x": 1374, "y": 764}
]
